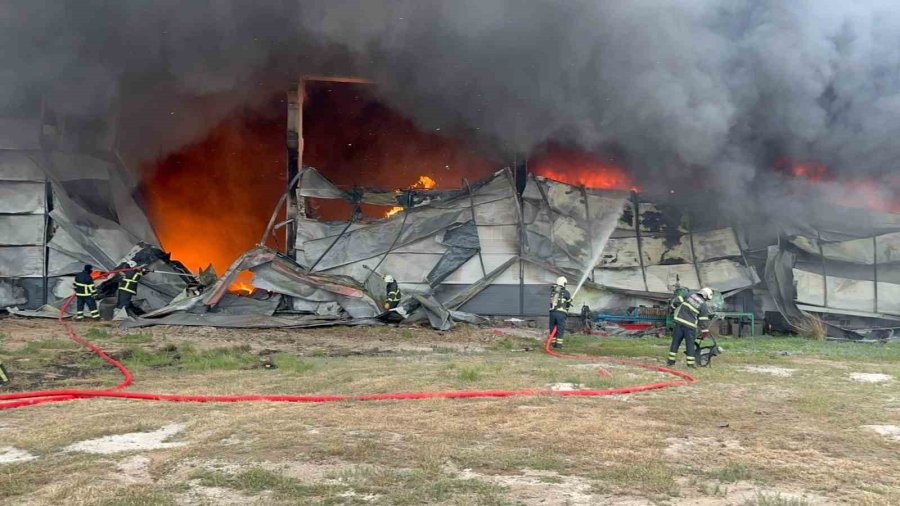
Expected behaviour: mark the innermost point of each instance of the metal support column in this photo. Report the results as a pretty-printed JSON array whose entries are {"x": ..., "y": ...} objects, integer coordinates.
[
  {"x": 693, "y": 252},
  {"x": 475, "y": 223},
  {"x": 294, "y": 161},
  {"x": 637, "y": 235},
  {"x": 875, "y": 268}
]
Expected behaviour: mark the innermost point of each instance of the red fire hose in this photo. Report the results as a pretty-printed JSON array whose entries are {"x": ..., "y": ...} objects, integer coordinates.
[{"x": 21, "y": 399}]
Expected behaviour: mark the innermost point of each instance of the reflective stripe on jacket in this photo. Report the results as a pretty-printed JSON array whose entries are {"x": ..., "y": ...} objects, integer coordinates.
[
  {"x": 560, "y": 299},
  {"x": 393, "y": 292},
  {"x": 129, "y": 282},
  {"x": 84, "y": 284},
  {"x": 693, "y": 312}
]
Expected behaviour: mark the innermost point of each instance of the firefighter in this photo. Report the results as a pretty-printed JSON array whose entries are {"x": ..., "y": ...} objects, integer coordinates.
[
  {"x": 680, "y": 294},
  {"x": 392, "y": 298},
  {"x": 128, "y": 285},
  {"x": 4, "y": 378},
  {"x": 84, "y": 291},
  {"x": 692, "y": 315},
  {"x": 560, "y": 302},
  {"x": 678, "y": 299}
]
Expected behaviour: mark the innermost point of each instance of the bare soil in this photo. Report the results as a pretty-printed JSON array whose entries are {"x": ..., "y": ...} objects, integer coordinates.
[{"x": 742, "y": 435}]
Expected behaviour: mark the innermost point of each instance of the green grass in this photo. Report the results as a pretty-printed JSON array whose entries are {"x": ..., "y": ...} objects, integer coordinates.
[
  {"x": 733, "y": 472},
  {"x": 470, "y": 373},
  {"x": 428, "y": 485},
  {"x": 136, "y": 338},
  {"x": 188, "y": 358},
  {"x": 762, "y": 499},
  {"x": 96, "y": 333},
  {"x": 747, "y": 348},
  {"x": 292, "y": 364},
  {"x": 650, "y": 478},
  {"x": 255, "y": 480},
  {"x": 137, "y": 496},
  {"x": 43, "y": 346}
]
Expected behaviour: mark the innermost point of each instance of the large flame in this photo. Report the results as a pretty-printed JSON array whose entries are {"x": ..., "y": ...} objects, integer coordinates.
[
  {"x": 580, "y": 168},
  {"x": 210, "y": 201}
]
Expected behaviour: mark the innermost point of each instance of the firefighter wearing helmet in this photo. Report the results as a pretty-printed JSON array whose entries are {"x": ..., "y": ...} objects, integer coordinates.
[
  {"x": 691, "y": 316},
  {"x": 560, "y": 302},
  {"x": 392, "y": 296},
  {"x": 128, "y": 285}
]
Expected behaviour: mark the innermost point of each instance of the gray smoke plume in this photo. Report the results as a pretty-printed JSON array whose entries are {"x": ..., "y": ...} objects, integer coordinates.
[{"x": 716, "y": 89}]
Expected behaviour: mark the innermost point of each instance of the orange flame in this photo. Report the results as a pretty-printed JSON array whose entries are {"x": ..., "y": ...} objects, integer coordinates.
[
  {"x": 424, "y": 182},
  {"x": 242, "y": 284},
  {"x": 579, "y": 168},
  {"x": 210, "y": 201}
]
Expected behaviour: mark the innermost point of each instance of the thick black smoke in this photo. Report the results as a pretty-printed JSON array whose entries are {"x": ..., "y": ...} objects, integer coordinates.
[{"x": 719, "y": 89}]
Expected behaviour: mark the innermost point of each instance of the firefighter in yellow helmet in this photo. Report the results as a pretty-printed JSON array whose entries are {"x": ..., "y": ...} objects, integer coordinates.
[
  {"x": 560, "y": 302},
  {"x": 691, "y": 316}
]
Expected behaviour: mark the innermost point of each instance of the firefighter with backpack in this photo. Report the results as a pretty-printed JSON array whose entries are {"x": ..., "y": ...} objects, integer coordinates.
[{"x": 692, "y": 316}]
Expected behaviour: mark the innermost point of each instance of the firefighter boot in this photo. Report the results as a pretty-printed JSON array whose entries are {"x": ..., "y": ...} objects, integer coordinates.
[{"x": 691, "y": 362}]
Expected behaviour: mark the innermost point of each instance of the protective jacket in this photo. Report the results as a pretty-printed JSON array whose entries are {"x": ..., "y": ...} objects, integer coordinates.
[
  {"x": 675, "y": 302},
  {"x": 84, "y": 284},
  {"x": 693, "y": 312},
  {"x": 560, "y": 299},
  {"x": 392, "y": 299},
  {"x": 129, "y": 281}
]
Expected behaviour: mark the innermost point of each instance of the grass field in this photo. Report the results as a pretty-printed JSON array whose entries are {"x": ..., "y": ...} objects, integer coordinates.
[{"x": 775, "y": 421}]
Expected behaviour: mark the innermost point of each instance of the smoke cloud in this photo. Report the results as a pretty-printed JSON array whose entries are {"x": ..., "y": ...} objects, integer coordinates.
[{"x": 716, "y": 89}]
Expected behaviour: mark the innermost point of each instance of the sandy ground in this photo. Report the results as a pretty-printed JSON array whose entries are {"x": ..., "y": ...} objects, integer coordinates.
[{"x": 783, "y": 424}]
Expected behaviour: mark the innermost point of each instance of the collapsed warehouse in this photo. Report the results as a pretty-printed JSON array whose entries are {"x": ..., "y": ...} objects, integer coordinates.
[{"x": 488, "y": 248}]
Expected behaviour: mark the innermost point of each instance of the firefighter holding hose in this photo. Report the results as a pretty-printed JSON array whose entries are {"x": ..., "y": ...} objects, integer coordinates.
[
  {"x": 128, "y": 286},
  {"x": 84, "y": 291},
  {"x": 691, "y": 316},
  {"x": 560, "y": 302}
]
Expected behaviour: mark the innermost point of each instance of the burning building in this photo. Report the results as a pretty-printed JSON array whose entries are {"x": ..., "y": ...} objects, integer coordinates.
[
  {"x": 634, "y": 145},
  {"x": 306, "y": 240}
]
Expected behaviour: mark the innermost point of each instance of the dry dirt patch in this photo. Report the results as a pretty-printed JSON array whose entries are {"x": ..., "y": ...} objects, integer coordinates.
[
  {"x": 135, "y": 469},
  {"x": 153, "y": 440},
  {"x": 564, "y": 387},
  {"x": 772, "y": 370},
  {"x": 540, "y": 487},
  {"x": 866, "y": 377},
  {"x": 11, "y": 455},
  {"x": 679, "y": 447},
  {"x": 889, "y": 431}
]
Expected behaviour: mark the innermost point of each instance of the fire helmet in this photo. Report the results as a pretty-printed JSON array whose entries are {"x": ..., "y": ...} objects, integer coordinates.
[
  {"x": 706, "y": 292},
  {"x": 562, "y": 281},
  {"x": 388, "y": 278}
]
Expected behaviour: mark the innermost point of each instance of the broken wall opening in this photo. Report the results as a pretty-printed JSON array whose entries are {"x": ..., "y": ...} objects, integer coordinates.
[
  {"x": 355, "y": 140},
  {"x": 210, "y": 201}
]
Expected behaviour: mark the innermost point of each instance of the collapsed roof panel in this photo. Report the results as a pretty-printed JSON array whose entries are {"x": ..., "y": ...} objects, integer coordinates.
[{"x": 885, "y": 248}]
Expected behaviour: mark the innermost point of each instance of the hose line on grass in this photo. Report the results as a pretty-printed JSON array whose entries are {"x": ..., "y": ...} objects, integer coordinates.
[{"x": 22, "y": 399}]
